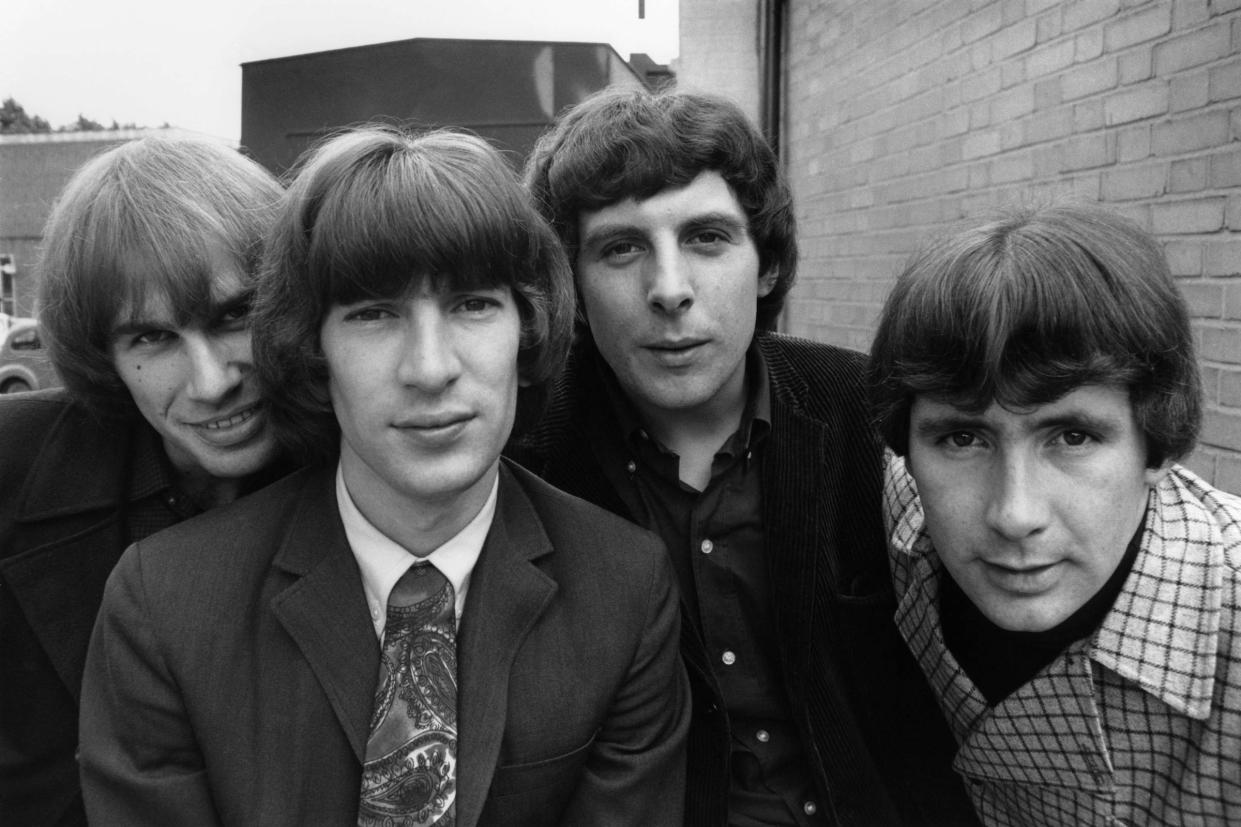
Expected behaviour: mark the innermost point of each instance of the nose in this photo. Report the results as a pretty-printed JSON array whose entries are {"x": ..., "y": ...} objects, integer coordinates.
[
  {"x": 1017, "y": 505},
  {"x": 216, "y": 367},
  {"x": 670, "y": 287},
  {"x": 429, "y": 360}
]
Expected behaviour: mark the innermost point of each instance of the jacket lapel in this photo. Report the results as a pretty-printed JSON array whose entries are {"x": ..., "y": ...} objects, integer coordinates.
[
  {"x": 324, "y": 610},
  {"x": 507, "y": 595}
]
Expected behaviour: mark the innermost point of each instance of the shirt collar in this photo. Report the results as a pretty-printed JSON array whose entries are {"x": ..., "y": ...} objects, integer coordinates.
[
  {"x": 1162, "y": 632},
  {"x": 382, "y": 561}
]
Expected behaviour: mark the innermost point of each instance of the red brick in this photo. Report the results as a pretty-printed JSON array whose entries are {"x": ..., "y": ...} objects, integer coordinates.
[
  {"x": 1193, "y": 49},
  {"x": 1188, "y": 91},
  {"x": 1225, "y": 169},
  {"x": 1088, "y": 79},
  {"x": 1225, "y": 81},
  {"x": 1088, "y": 45},
  {"x": 1017, "y": 38},
  {"x": 1203, "y": 215},
  {"x": 1133, "y": 144},
  {"x": 1087, "y": 151},
  {"x": 1138, "y": 27},
  {"x": 1228, "y": 473},
  {"x": 1084, "y": 12},
  {"x": 1189, "y": 134},
  {"x": 1187, "y": 14},
  {"x": 1144, "y": 101},
  {"x": 1188, "y": 175},
  {"x": 1136, "y": 66},
  {"x": 1222, "y": 343},
  {"x": 1229, "y": 387},
  {"x": 1232, "y": 296},
  {"x": 1204, "y": 298},
  {"x": 1221, "y": 427},
  {"x": 1129, "y": 183},
  {"x": 1184, "y": 257},
  {"x": 1050, "y": 58}
]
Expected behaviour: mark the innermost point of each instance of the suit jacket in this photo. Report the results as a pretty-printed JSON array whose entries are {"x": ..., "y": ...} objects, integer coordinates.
[
  {"x": 64, "y": 480},
  {"x": 878, "y": 752},
  {"x": 231, "y": 674}
]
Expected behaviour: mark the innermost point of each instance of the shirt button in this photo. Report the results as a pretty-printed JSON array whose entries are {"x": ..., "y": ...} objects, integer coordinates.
[
  {"x": 763, "y": 736},
  {"x": 729, "y": 657},
  {"x": 631, "y": 466},
  {"x": 707, "y": 546},
  {"x": 810, "y": 808}
]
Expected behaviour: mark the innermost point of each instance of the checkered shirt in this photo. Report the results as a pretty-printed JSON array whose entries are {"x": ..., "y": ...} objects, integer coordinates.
[{"x": 1138, "y": 724}]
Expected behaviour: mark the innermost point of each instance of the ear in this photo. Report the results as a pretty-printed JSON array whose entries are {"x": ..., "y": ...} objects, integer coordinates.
[
  {"x": 1154, "y": 476},
  {"x": 767, "y": 282}
]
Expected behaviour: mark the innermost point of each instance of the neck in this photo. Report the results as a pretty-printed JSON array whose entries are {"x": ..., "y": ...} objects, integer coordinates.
[
  {"x": 207, "y": 491},
  {"x": 695, "y": 435}
]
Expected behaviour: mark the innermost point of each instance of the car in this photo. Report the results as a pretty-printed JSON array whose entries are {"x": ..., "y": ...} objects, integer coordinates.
[{"x": 24, "y": 365}]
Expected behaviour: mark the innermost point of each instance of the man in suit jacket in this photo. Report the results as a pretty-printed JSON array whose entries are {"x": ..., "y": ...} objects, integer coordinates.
[
  {"x": 144, "y": 285},
  {"x": 237, "y": 674},
  {"x": 749, "y": 453}
]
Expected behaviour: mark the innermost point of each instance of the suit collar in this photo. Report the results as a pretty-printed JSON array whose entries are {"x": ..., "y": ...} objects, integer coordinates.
[
  {"x": 324, "y": 608},
  {"x": 78, "y": 440},
  {"x": 507, "y": 595}
]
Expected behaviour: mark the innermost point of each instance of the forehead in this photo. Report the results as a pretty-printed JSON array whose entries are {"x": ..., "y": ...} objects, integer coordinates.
[
  {"x": 708, "y": 195},
  {"x": 193, "y": 292}
]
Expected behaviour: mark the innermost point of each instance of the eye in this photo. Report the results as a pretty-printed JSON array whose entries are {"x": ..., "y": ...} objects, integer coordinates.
[
  {"x": 476, "y": 304},
  {"x": 236, "y": 313},
  {"x": 152, "y": 337},
  {"x": 369, "y": 313},
  {"x": 1075, "y": 439},
  {"x": 620, "y": 251},
  {"x": 708, "y": 237},
  {"x": 962, "y": 439}
]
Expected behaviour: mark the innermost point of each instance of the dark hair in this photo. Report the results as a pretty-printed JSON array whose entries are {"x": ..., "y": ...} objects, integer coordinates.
[
  {"x": 148, "y": 215},
  {"x": 1031, "y": 305},
  {"x": 632, "y": 143},
  {"x": 370, "y": 213}
]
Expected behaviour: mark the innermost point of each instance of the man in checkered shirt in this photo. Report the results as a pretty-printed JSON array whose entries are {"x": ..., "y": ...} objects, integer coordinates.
[{"x": 1071, "y": 593}]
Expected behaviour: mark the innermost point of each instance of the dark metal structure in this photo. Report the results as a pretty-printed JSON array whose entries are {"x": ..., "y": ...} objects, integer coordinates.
[{"x": 506, "y": 91}]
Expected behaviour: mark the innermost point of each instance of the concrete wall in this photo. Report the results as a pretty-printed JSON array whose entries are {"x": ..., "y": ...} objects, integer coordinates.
[
  {"x": 902, "y": 117},
  {"x": 719, "y": 50}
]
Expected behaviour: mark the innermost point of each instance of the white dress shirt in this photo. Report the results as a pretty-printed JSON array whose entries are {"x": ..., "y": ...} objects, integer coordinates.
[{"x": 383, "y": 561}]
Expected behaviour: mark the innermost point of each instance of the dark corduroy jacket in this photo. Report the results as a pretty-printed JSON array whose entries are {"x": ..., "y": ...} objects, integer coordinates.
[
  {"x": 64, "y": 476},
  {"x": 879, "y": 751}
]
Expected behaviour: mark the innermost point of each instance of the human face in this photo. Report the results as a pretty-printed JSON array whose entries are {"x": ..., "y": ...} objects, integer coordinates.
[
  {"x": 1031, "y": 512},
  {"x": 424, "y": 387},
  {"x": 670, "y": 286},
  {"x": 195, "y": 384}
]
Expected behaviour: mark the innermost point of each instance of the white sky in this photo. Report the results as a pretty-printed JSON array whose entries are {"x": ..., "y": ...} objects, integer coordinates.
[{"x": 156, "y": 61}]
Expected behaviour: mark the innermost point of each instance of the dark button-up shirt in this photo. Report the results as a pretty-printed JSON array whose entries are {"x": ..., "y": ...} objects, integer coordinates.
[{"x": 716, "y": 540}]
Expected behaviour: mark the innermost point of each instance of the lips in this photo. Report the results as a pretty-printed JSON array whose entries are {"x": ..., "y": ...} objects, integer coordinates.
[
  {"x": 233, "y": 428},
  {"x": 1024, "y": 579}
]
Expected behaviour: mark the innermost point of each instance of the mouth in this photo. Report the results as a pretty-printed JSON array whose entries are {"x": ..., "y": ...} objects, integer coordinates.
[
  {"x": 676, "y": 353},
  {"x": 233, "y": 428},
  {"x": 1022, "y": 579}
]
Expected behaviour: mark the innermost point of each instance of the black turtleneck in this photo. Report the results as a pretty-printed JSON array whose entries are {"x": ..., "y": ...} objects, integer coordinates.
[{"x": 999, "y": 661}]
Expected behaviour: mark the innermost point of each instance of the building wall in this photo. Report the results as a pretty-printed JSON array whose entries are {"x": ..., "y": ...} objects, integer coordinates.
[
  {"x": 903, "y": 117},
  {"x": 719, "y": 50}
]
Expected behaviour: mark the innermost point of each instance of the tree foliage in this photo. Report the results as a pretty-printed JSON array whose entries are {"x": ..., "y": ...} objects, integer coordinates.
[{"x": 14, "y": 120}]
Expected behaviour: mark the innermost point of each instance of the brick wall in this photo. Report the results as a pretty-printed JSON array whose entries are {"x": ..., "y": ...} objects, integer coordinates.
[
  {"x": 903, "y": 117},
  {"x": 719, "y": 50}
]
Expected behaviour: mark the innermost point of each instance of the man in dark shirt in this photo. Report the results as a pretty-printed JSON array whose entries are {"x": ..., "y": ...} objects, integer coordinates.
[
  {"x": 145, "y": 287},
  {"x": 748, "y": 453}
]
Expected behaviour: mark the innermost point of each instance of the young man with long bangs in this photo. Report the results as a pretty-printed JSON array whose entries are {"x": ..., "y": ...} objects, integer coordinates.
[
  {"x": 750, "y": 453},
  {"x": 409, "y": 631},
  {"x": 144, "y": 295},
  {"x": 1072, "y": 593}
]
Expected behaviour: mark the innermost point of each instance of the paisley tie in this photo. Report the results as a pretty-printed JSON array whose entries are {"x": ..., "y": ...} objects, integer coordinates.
[{"x": 410, "y": 774}]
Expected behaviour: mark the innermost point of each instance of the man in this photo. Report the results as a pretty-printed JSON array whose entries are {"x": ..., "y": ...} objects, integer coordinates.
[
  {"x": 751, "y": 456},
  {"x": 244, "y": 669},
  {"x": 1070, "y": 591},
  {"x": 144, "y": 290}
]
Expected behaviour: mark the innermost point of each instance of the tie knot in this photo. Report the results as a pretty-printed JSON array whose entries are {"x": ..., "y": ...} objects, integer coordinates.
[{"x": 422, "y": 582}]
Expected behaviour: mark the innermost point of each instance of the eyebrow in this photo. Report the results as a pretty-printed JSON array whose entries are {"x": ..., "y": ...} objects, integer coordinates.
[
  {"x": 609, "y": 230},
  {"x": 1069, "y": 420},
  {"x": 211, "y": 314}
]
